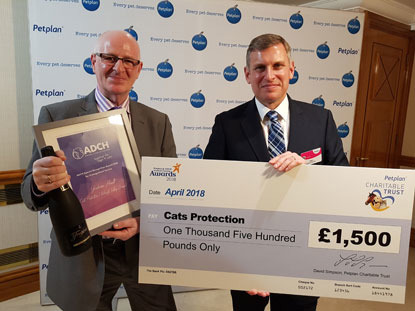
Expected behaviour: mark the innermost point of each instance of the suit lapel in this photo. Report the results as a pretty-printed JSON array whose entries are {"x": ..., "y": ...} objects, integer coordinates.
[
  {"x": 296, "y": 124},
  {"x": 251, "y": 125},
  {"x": 89, "y": 105}
]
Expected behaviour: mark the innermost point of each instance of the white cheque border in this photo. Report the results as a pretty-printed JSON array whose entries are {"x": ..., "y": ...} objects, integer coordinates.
[{"x": 277, "y": 284}]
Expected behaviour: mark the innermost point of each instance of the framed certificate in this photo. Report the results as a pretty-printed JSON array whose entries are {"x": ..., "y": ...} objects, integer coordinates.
[{"x": 103, "y": 162}]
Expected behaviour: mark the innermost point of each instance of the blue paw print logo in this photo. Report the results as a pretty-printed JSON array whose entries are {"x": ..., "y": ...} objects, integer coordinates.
[
  {"x": 165, "y": 8},
  {"x": 197, "y": 99},
  {"x": 230, "y": 73},
  {"x": 196, "y": 153},
  {"x": 132, "y": 32},
  {"x": 353, "y": 26},
  {"x": 199, "y": 42},
  {"x": 295, "y": 77},
  {"x": 233, "y": 15},
  {"x": 319, "y": 101},
  {"x": 296, "y": 20},
  {"x": 348, "y": 79},
  {"x": 88, "y": 66},
  {"x": 343, "y": 130},
  {"x": 133, "y": 95},
  {"x": 165, "y": 69},
  {"x": 323, "y": 50},
  {"x": 91, "y": 5}
]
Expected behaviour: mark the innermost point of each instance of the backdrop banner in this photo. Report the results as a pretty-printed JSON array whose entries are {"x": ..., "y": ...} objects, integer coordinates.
[{"x": 194, "y": 55}]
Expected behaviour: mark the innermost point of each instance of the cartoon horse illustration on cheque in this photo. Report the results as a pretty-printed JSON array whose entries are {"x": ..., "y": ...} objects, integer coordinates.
[{"x": 377, "y": 203}]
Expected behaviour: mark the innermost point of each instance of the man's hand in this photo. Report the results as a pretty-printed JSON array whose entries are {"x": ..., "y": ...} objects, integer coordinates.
[
  {"x": 50, "y": 173},
  {"x": 253, "y": 292},
  {"x": 286, "y": 161},
  {"x": 124, "y": 229}
]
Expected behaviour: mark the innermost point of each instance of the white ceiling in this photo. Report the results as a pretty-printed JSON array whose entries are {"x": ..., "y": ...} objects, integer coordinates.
[{"x": 400, "y": 10}]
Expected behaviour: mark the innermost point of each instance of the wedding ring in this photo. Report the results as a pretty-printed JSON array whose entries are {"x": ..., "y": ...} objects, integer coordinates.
[{"x": 49, "y": 179}]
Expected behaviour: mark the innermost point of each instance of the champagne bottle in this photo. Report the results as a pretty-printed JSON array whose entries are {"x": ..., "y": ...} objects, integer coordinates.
[{"x": 67, "y": 216}]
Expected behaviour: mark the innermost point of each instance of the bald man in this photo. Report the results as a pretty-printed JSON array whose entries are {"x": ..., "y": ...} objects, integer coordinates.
[{"x": 90, "y": 280}]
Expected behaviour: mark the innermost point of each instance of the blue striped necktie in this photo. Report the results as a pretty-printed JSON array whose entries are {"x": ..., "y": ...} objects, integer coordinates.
[{"x": 276, "y": 143}]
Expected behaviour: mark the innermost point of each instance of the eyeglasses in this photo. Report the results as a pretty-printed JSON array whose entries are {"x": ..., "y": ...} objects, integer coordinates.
[{"x": 110, "y": 59}]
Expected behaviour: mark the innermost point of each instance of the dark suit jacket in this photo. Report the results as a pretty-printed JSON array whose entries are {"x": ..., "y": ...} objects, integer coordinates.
[
  {"x": 238, "y": 135},
  {"x": 82, "y": 276}
]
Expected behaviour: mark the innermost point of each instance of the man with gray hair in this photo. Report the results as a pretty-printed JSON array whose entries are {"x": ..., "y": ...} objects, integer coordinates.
[
  {"x": 273, "y": 128},
  {"x": 90, "y": 280}
]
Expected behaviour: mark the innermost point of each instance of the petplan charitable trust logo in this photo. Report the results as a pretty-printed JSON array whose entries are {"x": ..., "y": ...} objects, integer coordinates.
[
  {"x": 197, "y": 99},
  {"x": 88, "y": 66},
  {"x": 165, "y": 69},
  {"x": 384, "y": 193},
  {"x": 353, "y": 26},
  {"x": 132, "y": 32},
  {"x": 165, "y": 9},
  {"x": 233, "y": 15},
  {"x": 199, "y": 42},
  {"x": 79, "y": 152},
  {"x": 319, "y": 101},
  {"x": 170, "y": 173},
  {"x": 91, "y": 5},
  {"x": 230, "y": 73},
  {"x": 323, "y": 51},
  {"x": 296, "y": 20},
  {"x": 295, "y": 77},
  {"x": 196, "y": 153}
]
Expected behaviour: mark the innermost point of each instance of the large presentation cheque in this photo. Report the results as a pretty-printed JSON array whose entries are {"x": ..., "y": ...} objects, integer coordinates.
[{"x": 317, "y": 230}]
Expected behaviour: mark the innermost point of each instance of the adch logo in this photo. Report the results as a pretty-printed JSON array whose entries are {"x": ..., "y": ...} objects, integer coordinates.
[
  {"x": 230, "y": 73},
  {"x": 133, "y": 95},
  {"x": 319, "y": 101},
  {"x": 323, "y": 51},
  {"x": 295, "y": 77},
  {"x": 91, "y": 5},
  {"x": 343, "y": 130},
  {"x": 233, "y": 15},
  {"x": 197, "y": 99},
  {"x": 165, "y": 9},
  {"x": 348, "y": 79},
  {"x": 132, "y": 32},
  {"x": 88, "y": 66},
  {"x": 199, "y": 42},
  {"x": 196, "y": 153},
  {"x": 296, "y": 20},
  {"x": 78, "y": 152},
  {"x": 165, "y": 69},
  {"x": 353, "y": 26},
  {"x": 379, "y": 203}
]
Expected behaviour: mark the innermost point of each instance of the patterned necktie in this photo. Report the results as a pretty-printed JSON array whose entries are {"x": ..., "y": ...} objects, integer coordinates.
[{"x": 276, "y": 143}]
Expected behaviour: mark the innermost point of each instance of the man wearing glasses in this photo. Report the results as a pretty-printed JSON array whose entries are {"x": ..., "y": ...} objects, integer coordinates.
[{"x": 90, "y": 280}]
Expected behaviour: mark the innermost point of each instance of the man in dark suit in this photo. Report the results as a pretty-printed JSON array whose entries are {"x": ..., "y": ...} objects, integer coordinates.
[
  {"x": 247, "y": 133},
  {"x": 90, "y": 280}
]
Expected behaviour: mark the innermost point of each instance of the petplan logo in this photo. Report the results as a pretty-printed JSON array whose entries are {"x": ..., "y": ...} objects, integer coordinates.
[
  {"x": 199, "y": 42},
  {"x": 347, "y": 51},
  {"x": 132, "y": 32},
  {"x": 296, "y": 20},
  {"x": 197, "y": 99},
  {"x": 295, "y": 77},
  {"x": 323, "y": 51},
  {"x": 49, "y": 93},
  {"x": 319, "y": 101},
  {"x": 348, "y": 79},
  {"x": 353, "y": 26},
  {"x": 91, "y": 5},
  {"x": 165, "y": 9},
  {"x": 133, "y": 95},
  {"x": 342, "y": 104},
  {"x": 230, "y": 73},
  {"x": 88, "y": 66},
  {"x": 47, "y": 29},
  {"x": 170, "y": 173},
  {"x": 165, "y": 69},
  {"x": 233, "y": 15},
  {"x": 196, "y": 153},
  {"x": 79, "y": 152},
  {"x": 343, "y": 130}
]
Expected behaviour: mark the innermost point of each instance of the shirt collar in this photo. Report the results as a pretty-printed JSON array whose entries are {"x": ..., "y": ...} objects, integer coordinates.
[
  {"x": 104, "y": 104},
  {"x": 282, "y": 109}
]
